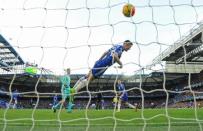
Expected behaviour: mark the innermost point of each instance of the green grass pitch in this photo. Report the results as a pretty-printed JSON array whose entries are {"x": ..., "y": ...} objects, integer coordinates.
[{"x": 102, "y": 120}]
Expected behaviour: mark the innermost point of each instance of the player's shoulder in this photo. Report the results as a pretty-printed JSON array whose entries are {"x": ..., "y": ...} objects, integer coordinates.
[
  {"x": 118, "y": 48},
  {"x": 119, "y": 45}
]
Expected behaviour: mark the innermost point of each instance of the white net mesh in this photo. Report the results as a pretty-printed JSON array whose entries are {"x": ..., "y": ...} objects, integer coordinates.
[{"x": 74, "y": 33}]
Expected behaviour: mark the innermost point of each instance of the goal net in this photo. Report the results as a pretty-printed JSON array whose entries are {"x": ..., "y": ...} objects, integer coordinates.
[{"x": 162, "y": 72}]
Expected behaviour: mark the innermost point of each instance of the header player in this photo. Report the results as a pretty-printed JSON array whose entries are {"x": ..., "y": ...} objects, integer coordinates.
[{"x": 108, "y": 58}]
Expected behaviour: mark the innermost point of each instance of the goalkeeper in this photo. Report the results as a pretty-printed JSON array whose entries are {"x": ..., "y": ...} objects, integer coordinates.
[{"x": 65, "y": 92}]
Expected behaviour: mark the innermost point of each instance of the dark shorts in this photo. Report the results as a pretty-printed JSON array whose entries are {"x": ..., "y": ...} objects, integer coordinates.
[{"x": 124, "y": 97}]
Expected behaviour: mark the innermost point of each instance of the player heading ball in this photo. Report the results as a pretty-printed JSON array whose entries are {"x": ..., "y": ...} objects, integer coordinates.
[{"x": 107, "y": 59}]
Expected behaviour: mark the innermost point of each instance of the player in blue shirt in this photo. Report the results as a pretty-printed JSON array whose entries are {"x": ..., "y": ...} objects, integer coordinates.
[
  {"x": 108, "y": 58},
  {"x": 55, "y": 99},
  {"x": 15, "y": 95},
  {"x": 123, "y": 96}
]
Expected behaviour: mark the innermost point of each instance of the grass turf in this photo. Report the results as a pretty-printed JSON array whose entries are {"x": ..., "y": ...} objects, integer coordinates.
[{"x": 102, "y": 120}]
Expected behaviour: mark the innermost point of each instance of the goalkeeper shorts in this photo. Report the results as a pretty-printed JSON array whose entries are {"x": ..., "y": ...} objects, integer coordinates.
[{"x": 65, "y": 93}]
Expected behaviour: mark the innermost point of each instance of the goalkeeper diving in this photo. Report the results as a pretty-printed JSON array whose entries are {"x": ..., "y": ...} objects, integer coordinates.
[{"x": 65, "y": 92}]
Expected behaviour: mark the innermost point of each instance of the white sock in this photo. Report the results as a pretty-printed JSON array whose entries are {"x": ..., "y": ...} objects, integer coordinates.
[
  {"x": 82, "y": 82},
  {"x": 78, "y": 82},
  {"x": 130, "y": 105},
  {"x": 119, "y": 106}
]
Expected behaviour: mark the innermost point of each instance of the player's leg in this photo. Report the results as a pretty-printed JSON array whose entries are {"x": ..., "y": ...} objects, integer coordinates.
[
  {"x": 98, "y": 104},
  {"x": 15, "y": 103},
  {"x": 70, "y": 105},
  {"x": 125, "y": 99},
  {"x": 54, "y": 103},
  {"x": 70, "y": 102},
  {"x": 82, "y": 82},
  {"x": 119, "y": 105},
  {"x": 115, "y": 102},
  {"x": 58, "y": 105},
  {"x": 98, "y": 69},
  {"x": 130, "y": 105},
  {"x": 136, "y": 106}
]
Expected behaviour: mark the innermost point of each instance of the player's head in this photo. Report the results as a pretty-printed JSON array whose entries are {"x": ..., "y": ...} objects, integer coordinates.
[
  {"x": 119, "y": 81},
  {"x": 67, "y": 71},
  {"x": 127, "y": 44}
]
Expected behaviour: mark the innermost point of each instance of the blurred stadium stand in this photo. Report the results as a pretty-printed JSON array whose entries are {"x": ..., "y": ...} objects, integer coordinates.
[{"x": 181, "y": 82}]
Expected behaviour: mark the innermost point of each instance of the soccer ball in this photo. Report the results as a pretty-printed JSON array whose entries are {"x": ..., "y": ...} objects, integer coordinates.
[{"x": 128, "y": 10}]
